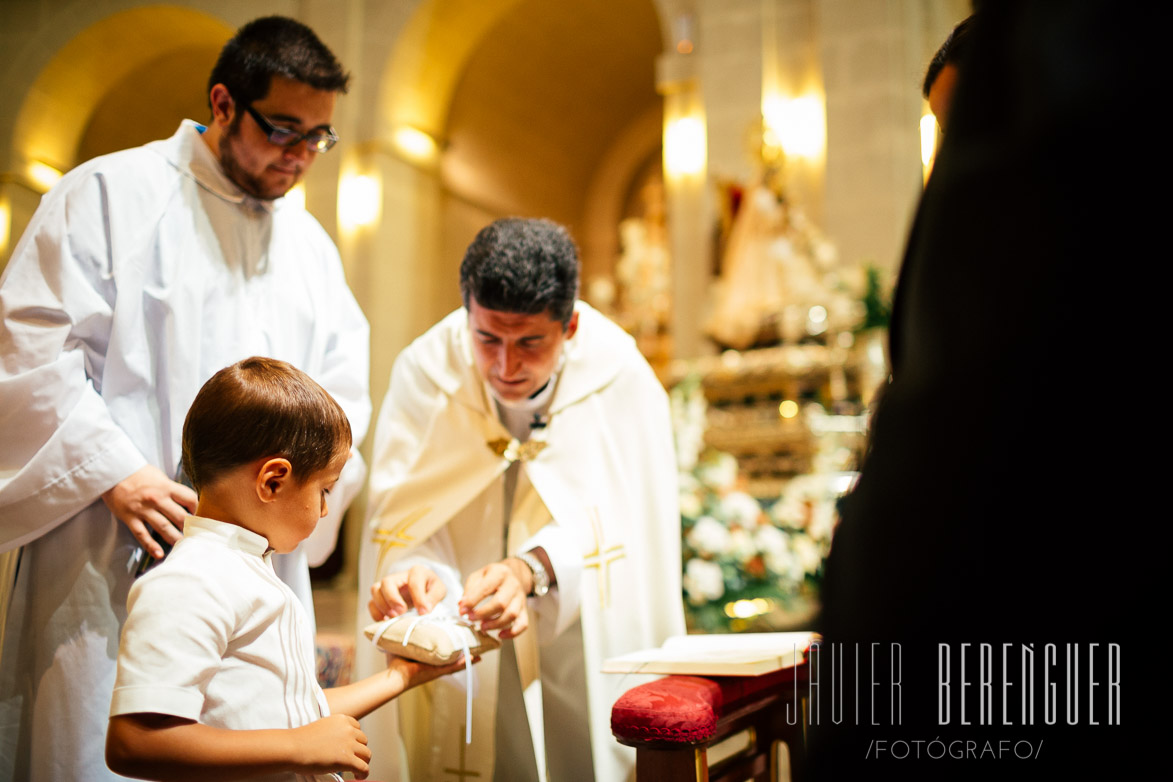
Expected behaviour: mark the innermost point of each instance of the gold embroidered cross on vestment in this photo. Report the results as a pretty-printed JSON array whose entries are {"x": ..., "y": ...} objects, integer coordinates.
[
  {"x": 462, "y": 772},
  {"x": 395, "y": 537},
  {"x": 602, "y": 558}
]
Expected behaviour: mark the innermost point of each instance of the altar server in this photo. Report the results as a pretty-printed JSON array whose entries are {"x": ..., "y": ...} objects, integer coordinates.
[{"x": 141, "y": 274}]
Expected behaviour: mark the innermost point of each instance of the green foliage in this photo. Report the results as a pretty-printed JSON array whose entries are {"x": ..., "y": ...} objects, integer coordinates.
[{"x": 877, "y": 305}]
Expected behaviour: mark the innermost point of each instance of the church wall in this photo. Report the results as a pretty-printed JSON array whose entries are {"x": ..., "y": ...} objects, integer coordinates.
[
  {"x": 49, "y": 101},
  {"x": 866, "y": 57},
  {"x": 874, "y": 56}
]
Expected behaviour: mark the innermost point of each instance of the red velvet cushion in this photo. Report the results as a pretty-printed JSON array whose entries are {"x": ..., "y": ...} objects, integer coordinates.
[
  {"x": 680, "y": 709},
  {"x": 685, "y": 709}
]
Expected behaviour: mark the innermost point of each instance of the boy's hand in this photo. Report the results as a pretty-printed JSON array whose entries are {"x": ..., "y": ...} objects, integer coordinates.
[
  {"x": 413, "y": 674},
  {"x": 418, "y": 588},
  {"x": 333, "y": 744}
]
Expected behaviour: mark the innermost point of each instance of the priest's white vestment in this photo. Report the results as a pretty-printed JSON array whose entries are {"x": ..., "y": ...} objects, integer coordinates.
[
  {"x": 141, "y": 274},
  {"x": 597, "y": 489}
]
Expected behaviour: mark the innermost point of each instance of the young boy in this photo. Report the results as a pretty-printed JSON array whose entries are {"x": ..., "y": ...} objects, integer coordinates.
[{"x": 216, "y": 669}]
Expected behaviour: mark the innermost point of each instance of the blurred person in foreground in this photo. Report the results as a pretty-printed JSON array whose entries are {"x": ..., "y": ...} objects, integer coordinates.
[
  {"x": 982, "y": 563},
  {"x": 941, "y": 75}
]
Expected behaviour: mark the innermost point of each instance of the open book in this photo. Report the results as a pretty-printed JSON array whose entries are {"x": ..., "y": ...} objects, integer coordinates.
[{"x": 748, "y": 654}]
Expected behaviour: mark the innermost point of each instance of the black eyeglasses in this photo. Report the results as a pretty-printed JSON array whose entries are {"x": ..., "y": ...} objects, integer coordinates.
[{"x": 316, "y": 140}]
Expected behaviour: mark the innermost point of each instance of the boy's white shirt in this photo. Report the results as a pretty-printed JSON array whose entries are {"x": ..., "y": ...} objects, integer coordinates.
[{"x": 213, "y": 635}]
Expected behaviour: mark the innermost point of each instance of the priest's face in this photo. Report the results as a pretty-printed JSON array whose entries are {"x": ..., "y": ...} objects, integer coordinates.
[
  {"x": 264, "y": 169},
  {"x": 515, "y": 353}
]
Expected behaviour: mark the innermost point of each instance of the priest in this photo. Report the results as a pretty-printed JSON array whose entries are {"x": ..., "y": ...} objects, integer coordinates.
[{"x": 524, "y": 470}]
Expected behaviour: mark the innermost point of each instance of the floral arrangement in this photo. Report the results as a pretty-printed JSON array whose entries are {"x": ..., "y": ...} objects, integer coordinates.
[
  {"x": 745, "y": 560},
  {"x": 877, "y": 304}
]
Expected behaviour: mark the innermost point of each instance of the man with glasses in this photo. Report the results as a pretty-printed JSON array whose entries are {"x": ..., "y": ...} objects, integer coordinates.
[{"x": 142, "y": 274}]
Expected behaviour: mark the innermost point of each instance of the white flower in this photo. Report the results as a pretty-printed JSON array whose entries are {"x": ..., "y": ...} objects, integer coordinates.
[
  {"x": 779, "y": 557},
  {"x": 690, "y": 505},
  {"x": 809, "y": 488},
  {"x": 703, "y": 581},
  {"x": 772, "y": 542},
  {"x": 709, "y": 536},
  {"x": 823, "y": 521},
  {"x": 737, "y": 507},
  {"x": 741, "y": 545},
  {"x": 720, "y": 472},
  {"x": 807, "y": 553},
  {"x": 790, "y": 511}
]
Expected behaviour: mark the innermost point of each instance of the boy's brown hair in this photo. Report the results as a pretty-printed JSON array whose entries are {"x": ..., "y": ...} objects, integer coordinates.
[{"x": 257, "y": 408}]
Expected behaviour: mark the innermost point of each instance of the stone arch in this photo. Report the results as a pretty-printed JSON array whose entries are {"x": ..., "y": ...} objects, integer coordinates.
[
  {"x": 429, "y": 57},
  {"x": 111, "y": 80},
  {"x": 72, "y": 86},
  {"x": 451, "y": 74}
]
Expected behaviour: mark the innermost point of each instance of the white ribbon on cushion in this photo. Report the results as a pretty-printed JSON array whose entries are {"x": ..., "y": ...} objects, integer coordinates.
[{"x": 447, "y": 620}]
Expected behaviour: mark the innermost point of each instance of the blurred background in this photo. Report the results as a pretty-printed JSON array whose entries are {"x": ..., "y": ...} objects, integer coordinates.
[{"x": 739, "y": 174}]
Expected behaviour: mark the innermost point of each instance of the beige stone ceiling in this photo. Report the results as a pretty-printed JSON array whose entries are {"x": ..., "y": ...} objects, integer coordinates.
[{"x": 548, "y": 90}]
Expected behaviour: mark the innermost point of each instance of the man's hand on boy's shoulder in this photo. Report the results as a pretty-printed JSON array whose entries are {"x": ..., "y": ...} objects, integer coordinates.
[
  {"x": 333, "y": 744},
  {"x": 147, "y": 499}
]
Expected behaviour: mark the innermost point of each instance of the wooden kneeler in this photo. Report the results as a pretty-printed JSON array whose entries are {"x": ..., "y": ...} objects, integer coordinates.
[{"x": 673, "y": 722}]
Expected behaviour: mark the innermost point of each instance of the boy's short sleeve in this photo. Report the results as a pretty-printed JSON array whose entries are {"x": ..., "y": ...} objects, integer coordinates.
[{"x": 177, "y": 630}]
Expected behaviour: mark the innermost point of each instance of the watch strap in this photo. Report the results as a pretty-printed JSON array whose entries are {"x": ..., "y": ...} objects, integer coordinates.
[{"x": 541, "y": 577}]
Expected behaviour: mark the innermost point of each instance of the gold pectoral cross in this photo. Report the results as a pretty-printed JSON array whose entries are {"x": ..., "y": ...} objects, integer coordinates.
[
  {"x": 462, "y": 772},
  {"x": 396, "y": 537},
  {"x": 515, "y": 451},
  {"x": 602, "y": 558}
]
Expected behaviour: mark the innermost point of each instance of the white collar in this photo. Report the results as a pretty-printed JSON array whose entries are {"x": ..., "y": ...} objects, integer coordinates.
[
  {"x": 195, "y": 158},
  {"x": 531, "y": 404},
  {"x": 230, "y": 535}
]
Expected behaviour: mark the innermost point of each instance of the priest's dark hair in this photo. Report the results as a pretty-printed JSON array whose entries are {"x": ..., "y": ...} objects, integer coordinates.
[
  {"x": 951, "y": 52},
  {"x": 259, "y": 408},
  {"x": 275, "y": 46},
  {"x": 524, "y": 266}
]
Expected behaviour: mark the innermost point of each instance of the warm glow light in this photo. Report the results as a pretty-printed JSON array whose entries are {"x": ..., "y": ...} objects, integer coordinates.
[
  {"x": 788, "y": 408},
  {"x": 358, "y": 201},
  {"x": 684, "y": 146},
  {"x": 928, "y": 140},
  {"x": 416, "y": 144},
  {"x": 5, "y": 224},
  {"x": 798, "y": 124},
  {"x": 746, "y": 608},
  {"x": 43, "y": 174},
  {"x": 296, "y": 195}
]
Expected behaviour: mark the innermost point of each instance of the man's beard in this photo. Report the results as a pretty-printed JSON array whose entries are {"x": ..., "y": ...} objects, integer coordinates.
[{"x": 247, "y": 182}]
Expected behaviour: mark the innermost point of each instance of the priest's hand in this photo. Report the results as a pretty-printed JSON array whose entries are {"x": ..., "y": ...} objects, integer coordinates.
[
  {"x": 494, "y": 597},
  {"x": 148, "y": 500},
  {"x": 418, "y": 588}
]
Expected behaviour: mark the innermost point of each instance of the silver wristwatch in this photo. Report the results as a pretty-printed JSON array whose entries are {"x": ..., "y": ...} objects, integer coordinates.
[{"x": 541, "y": 577}]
